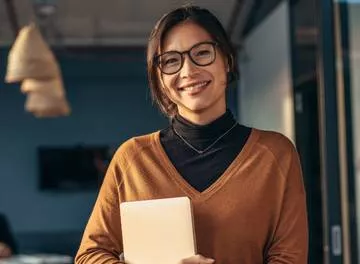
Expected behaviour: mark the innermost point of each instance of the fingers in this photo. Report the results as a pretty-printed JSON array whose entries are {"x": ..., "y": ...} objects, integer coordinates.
[
  {"x": 121, "y": 257},
  {"x": 197, "y": 259}
]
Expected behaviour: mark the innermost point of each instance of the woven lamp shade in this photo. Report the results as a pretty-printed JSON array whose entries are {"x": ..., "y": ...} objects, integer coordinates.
[
  {"x": 30, "y": 57},
  {"x": 53, "y": 87},
  {"x": 42, "y": 105},
  {"x": 45, "y": 98}
]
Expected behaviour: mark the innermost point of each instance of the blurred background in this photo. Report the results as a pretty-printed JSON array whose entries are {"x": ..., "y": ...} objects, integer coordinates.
[{"x": 299, "y": 62}]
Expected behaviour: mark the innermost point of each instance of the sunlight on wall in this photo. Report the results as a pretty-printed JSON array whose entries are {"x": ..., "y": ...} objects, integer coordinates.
[{"x": 265, "y": 97}]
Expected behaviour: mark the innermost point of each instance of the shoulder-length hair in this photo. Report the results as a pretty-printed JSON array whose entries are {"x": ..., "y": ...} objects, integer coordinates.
[{"x": 205, "y": 19}]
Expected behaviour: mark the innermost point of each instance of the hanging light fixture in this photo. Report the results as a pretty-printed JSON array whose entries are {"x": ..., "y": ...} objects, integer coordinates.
[
  {"x": 42, "y": 105},
  {"x": 32, "y": 62},
  {"x": 52, "y": 87},
  {"x": 30, "y": 57},
  {"x": 45, "y": 98}
]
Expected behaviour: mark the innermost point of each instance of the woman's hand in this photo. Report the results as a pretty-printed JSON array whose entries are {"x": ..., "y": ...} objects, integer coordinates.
[
  {"x": 197, "y": 259},
  {"x": 5, "y": 251}
]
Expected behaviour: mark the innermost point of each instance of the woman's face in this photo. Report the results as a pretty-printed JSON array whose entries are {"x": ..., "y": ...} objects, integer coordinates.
[{"x": 198, "y": 91}]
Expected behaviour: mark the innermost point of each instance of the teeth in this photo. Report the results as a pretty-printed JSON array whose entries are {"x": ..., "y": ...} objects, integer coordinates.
[{"x": 195, "y": 86}]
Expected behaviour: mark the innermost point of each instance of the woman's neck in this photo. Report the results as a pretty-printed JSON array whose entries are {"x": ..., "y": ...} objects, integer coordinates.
[
  {"x": 201, "y": 118},
  {"x": 192, "y": 131}
]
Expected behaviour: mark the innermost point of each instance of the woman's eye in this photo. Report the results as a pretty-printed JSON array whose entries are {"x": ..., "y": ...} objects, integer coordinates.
[
  {"x": 170, "y": 61},
  {"x": 201, "y": 53}
]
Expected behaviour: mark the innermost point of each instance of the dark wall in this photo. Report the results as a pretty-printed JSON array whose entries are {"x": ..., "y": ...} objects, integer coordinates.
[{"x": 110, "y": 103}]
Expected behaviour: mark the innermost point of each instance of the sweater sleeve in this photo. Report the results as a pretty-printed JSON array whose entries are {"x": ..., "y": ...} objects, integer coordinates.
[
  {"x": 102, "y": 238},
  {"x": 290, "y": 241}
]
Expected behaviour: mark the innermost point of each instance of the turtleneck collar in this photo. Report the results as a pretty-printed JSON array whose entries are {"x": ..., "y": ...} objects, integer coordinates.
[{"x": 209, "y": 131}]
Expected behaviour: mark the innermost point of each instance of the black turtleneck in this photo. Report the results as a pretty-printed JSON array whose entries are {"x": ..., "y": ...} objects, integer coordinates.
[{"x": 202, "y": 170}]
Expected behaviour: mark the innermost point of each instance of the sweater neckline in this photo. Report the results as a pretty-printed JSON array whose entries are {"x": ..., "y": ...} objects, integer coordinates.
[
  {"x": 194, "y": 132},
  {"x": 190, "y": 191}
]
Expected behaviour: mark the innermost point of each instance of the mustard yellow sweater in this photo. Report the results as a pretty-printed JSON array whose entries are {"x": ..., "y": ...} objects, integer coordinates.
[{"x": 255, "y": 213}]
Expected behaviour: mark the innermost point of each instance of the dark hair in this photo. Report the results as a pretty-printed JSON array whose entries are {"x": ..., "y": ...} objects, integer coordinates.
[{"x": 201, "y": 17}]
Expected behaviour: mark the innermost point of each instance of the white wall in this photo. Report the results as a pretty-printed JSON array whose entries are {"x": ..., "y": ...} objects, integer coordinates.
[{"x": 265, "y": 97}]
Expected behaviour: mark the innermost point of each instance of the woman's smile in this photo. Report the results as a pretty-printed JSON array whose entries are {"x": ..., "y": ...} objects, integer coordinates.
[{"x": 194, "y": 88}]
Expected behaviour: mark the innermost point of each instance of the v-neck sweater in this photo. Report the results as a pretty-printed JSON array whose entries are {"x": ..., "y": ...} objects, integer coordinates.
[
  {"x": 222, "y": 140},
  {"x": 254, "y": 213}
]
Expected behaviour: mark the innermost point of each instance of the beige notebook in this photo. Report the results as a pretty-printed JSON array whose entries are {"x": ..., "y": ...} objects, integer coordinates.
[{"x": 157, "y": 231}]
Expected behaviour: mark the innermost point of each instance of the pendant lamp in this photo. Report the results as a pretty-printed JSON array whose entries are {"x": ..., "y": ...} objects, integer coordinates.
[
  {"x": 52, "y": 87},
  {"x": 30, "y": 57},
  {"x": 45, "y": 98},
  {"x": 44, "y": 105}
]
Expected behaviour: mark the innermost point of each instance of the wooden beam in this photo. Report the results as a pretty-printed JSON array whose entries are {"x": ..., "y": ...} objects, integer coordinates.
[{"x": 10, "y": 8}]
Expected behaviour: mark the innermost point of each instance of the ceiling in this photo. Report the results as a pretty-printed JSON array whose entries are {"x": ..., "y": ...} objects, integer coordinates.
[{"x": 97, "y": 23}]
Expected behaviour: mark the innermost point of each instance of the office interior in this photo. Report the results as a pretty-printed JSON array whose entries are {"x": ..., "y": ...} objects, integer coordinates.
[{"x": 298, "y": 60}]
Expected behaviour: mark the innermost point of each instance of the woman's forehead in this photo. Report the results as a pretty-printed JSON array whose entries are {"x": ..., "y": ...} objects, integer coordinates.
[{"x": 183, "y": 36}]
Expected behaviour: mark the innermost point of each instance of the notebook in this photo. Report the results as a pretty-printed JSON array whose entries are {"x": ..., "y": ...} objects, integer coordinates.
[{"x": 157, "y": 231}]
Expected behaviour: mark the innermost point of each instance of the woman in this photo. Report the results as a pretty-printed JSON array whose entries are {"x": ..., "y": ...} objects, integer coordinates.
[{"x": 245, "y": 184}]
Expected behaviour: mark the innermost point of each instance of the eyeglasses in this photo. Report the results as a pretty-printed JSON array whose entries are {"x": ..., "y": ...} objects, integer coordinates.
[{"x": 201, "y": 54}]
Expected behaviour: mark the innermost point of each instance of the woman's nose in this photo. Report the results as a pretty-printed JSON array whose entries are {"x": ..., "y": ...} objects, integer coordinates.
[{"x": 188, "y": 68}]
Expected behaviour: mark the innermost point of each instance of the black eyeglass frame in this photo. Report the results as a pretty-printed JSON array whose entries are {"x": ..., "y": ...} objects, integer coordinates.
[{"x": 213, "y": 44}]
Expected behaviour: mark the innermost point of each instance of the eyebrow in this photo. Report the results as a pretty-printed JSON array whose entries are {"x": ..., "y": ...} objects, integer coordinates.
[{"x": 172, "y": 50}]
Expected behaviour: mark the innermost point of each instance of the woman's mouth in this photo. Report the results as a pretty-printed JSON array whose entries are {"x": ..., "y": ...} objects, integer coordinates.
[{"x": 194, "y": 88}]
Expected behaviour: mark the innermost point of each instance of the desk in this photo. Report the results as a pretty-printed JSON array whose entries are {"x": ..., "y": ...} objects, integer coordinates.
[{"x": 38, "y": 259}]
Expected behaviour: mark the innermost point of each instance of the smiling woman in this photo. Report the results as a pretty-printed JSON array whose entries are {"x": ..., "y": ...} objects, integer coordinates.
[
  {"x": 179, "y": 35},
  {"x": 198, "y": 87},
  {"x": 245, "y": 185}
]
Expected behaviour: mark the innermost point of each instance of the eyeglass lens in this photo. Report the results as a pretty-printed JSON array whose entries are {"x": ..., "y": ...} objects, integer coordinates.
[{"x": 201, "y": 54}]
